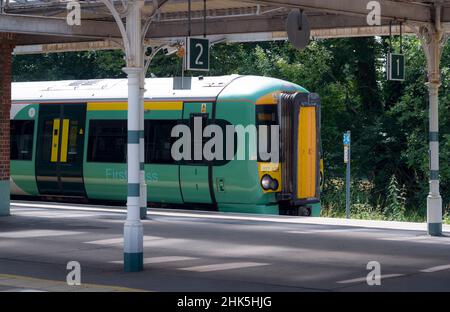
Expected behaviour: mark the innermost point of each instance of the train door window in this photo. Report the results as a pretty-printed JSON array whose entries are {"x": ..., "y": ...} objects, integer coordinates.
[
  {"x": 22, "y": 139},
  {"x": 266, "y": 115},
  {"x": 47, "y": 150},
  {"x": 69, "y": 136},
  {"x": 198, "y": 142},
  {"x": 107, "y": 141},
  {"x": 158, "y": 141},
  {"x": 74, "y": 131}
]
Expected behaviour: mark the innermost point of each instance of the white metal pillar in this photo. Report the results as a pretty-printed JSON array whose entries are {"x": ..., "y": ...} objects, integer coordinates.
[
  {"x": 133, "y": 229},
  {"x": 433, "y": 39},
  {"x": 146, "y": 61},
  {"x": 133, "y": 35},
  {"x": 143, "y": 183},
  {"x": 132, "y": 44}
]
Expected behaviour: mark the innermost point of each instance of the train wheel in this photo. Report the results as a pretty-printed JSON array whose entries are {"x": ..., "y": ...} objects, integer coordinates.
[{"x": 304, "y": 211}]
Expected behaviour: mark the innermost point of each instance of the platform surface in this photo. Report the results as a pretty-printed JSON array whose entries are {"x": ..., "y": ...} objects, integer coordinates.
[{"x": 209, "y": 251}]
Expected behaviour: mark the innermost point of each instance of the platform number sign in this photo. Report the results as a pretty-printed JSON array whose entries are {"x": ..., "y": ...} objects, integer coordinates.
[
  {"x": 197, "y": 56},
  {"x": 396, "y": 67}
]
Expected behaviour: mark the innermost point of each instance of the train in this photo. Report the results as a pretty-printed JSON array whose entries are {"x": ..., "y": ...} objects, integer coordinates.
[{"x": 69, "y": 141}]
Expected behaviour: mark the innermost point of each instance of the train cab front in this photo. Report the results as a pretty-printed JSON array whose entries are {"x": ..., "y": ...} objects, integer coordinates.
[{"x": 295, "y": 177}]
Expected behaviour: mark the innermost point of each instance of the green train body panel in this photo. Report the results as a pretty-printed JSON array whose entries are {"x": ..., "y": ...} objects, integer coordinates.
[
  {"x": 24, "y": 177},
  {"x": 163, "y": 185},
  {"x": 105, "y": 181},
  {"x": 194, "y": 184},
  {"x": 22, "y": 172},
  {"x": 235, "y": 184}
]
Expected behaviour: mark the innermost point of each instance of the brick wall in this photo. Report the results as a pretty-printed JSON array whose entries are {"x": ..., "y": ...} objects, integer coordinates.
[{"x": 6, "y": 48}]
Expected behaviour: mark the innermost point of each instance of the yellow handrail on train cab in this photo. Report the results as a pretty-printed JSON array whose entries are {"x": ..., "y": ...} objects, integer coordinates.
[
  {"x": 55, "y": 140},
  {"x": 64, "y": 140}
]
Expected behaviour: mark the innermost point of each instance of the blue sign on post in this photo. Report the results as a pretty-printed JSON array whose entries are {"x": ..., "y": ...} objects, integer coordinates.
[{"x": 346, "y": 138}]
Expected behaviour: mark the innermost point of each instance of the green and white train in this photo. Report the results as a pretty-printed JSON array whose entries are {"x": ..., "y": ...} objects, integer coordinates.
[{"x": 68, "y": 140}]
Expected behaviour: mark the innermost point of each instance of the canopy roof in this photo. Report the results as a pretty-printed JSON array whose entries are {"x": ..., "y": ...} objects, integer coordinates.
[{"x": 44, "y": 21}]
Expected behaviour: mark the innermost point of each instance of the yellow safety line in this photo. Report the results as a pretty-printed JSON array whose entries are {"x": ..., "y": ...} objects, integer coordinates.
[{"x": 28, "y": 282}]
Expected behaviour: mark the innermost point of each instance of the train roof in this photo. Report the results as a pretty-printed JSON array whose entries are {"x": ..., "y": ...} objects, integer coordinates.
[
  {"x": 204, "y": 88},
  {"x": 108, "y": 89}
]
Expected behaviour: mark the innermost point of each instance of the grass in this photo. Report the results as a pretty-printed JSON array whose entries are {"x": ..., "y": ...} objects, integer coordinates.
[{"x": 392, "y": 205}]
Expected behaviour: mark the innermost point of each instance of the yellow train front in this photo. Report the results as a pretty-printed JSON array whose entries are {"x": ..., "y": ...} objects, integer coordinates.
[{"x": 68, "y": 141}]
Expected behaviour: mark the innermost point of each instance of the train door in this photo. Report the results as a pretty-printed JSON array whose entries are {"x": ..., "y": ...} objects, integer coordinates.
[
  {"x": 300, "y": 139},
  {"x": 194, "y": 174},
  {"x": 307, "y": 151},
  {"x": 59, "y": 154}
]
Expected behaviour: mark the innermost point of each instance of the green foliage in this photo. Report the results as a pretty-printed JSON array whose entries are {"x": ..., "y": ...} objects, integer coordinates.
[
  {"x": 68, "y": 66},
  {"x": 395, "y": 202},
  {"x": 388, "y": 120}
]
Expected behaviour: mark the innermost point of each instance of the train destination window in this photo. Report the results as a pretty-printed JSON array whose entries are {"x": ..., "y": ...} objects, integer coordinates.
[
  {"x": 158, "y": 141},
  {"x": 22, "y": 139},
  {"x": 107, "y": 141},
  {"x": 266, "y": 115}
]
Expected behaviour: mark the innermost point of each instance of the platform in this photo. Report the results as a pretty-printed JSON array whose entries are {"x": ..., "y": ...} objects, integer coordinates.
[{"x": 209, "y": 251}]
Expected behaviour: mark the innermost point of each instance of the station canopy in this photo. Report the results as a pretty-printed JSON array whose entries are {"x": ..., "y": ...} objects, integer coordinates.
[{"x": 41, "y": 24}]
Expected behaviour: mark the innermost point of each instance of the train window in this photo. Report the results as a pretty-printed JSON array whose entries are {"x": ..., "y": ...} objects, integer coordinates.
[
  {"x": 266, "y": 115},
  {"x": 22, "y": 139},
  {"x": 107, "y": 141},
  {"x": 72, "y": 152},
  {"x": 158, "y": 141},
  {"x": 198, "y": 143}
]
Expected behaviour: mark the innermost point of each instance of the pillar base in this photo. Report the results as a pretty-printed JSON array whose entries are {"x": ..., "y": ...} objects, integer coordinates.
[
  {"x": 4, "y": 198},
  {"x": 435, "y": 229},
  {"x": 434, "y": 215},
  {"x": 143, "y": 195},
  {"x": 133, "y": 262},
  {"x": 133, "y": 245}
]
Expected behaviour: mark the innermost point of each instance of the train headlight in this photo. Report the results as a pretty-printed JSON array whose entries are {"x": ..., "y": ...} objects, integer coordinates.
[
  {"x": 266, "y": 182},
  {"x": 274, "y": 185}
]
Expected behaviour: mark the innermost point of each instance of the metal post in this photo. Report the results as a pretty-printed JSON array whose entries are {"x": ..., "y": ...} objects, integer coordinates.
[
  {"x": 347, "y": 179},
  {"x": 133, "y": 229},
  {"x": 433, "y": 39},
  {"x": 143, "y": 184},
  {"x": 434, "y": 199}
]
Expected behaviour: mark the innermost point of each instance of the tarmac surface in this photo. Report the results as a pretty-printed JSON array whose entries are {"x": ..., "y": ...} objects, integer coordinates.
[{"x": 190, "y": 251}]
